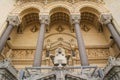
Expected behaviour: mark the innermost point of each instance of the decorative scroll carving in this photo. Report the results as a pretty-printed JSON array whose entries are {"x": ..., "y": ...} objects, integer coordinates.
[
  {"x": 105, "y": 18},
  {"x": 13, "y": 20}
]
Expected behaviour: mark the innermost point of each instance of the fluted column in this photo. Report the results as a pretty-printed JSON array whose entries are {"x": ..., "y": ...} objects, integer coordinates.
[
  {"x": 81, "y": 46},
  {"x": 44, "y": 20},
  {"x": 106, "y": 19},
  {"x": 12, "y": 21}
]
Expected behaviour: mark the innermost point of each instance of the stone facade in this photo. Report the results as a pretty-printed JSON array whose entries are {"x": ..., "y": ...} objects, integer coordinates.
[{"x": 56, "y": 21}]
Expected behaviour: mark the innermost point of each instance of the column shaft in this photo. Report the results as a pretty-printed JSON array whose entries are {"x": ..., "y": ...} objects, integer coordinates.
[
  {"x": 39, "y": 48},
  {"x": 81, "y": 46},
  {"x": 5, "y": 37},
  {"x": 114, "y": 34}
]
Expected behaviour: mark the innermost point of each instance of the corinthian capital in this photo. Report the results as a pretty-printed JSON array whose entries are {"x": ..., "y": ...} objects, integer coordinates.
[
  {"x": 105, "y": 18},
  {"x": 44, "y": 19},
  {"x": 13, "y": 20},
  {"x": 75, "y": 18}
]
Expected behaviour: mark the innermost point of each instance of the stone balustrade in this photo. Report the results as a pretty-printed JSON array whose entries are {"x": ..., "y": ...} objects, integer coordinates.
[
  {"x": 7, "y": 70},
  {"x": 112, "y": 69}
]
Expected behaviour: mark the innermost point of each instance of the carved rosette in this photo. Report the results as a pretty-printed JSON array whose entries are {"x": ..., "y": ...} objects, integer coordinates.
[
  {"x": 105, "y": 18},
  {"x": 75, "y": 18},
  {"x": 44, "y": 19},
  {"x": 13, "y": 20}
]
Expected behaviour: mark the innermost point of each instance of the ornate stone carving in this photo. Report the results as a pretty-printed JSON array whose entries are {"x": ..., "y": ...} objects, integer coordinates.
[
  {"x": 105, "y": 18},
  {"x": 112, "y": 69},
  {"x": 44, "y": 19},
  {"x": 75, "y": 18},
  {"x": 22, "y": 54},
  {"x": 60, "y": 28},
  {"x": 98, "y": 53},
  {"x": 34, "y": 29},
  {"x": 85, "y": 28},
  {"x": 13, "y": 20},
  {"x": 7, "y": 69}
]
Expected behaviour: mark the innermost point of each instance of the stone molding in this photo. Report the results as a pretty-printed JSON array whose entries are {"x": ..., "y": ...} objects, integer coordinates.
[
  {"x": 13, "y": 20},
  {"x": 105, "y": 18}
]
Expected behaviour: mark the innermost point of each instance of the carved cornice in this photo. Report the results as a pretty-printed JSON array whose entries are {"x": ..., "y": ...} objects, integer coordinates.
[
  {"x": 44, "y": 19},
  {"x": 105, "y": 18},
  {"x": 75, "y": 18},
  {"x": 13, "y": 20}
]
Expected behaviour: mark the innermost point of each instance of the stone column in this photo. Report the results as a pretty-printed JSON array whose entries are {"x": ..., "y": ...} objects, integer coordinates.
[
  {"x": 81, "y": 46},
  {"x": 44, "y": 20},
  {"x": 12, "y": 21},
  {"x": 106, "y": 19}
]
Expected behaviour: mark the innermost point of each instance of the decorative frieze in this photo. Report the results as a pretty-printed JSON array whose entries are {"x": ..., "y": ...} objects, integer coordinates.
[
  {"x": 29, "y": 54},
  {"x": 22, "y": 54}
]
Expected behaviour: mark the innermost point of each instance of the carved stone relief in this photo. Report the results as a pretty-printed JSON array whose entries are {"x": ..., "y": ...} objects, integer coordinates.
[
  {"x": 98, "y": 53},
  {"x": 22, "y": 54},
  {"x": 29, "y": 54}
]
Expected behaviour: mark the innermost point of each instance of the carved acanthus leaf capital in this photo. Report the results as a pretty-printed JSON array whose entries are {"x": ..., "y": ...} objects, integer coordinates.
[
  {"x": 105, "y": 18},
  {"x": 13, "y": 20},
  {"x": 44, "y": 19},
  {"x": 75, "y": 18}
]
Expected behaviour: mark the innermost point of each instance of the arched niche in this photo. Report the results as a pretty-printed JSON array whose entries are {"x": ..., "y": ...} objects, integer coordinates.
[
  {"x": 96, "y": 6},
  {"x": 90, "y": 16},
  {"x": 57, "y": 4},
  {"x": 28, "y": 11},
  {"x": 90, "y": 10},
  {"x": 59, "y": 15},
  {"x": 29, "y": 16}
]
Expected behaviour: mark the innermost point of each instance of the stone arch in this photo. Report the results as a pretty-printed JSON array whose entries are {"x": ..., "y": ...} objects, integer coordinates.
[
  {"x": 90, "y": 10},
  {"x": 28, "y": 11},
  {"x": 96, "y": 6},
  {"x": 59, "y": 9},
  {"x": 53, "y": 5},
  {"x": 21, "y": 7},
  {"x": 59, "y": 14}
]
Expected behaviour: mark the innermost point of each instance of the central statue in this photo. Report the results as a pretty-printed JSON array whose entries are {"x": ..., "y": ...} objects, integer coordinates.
[{"x": 60, "y": 58}]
